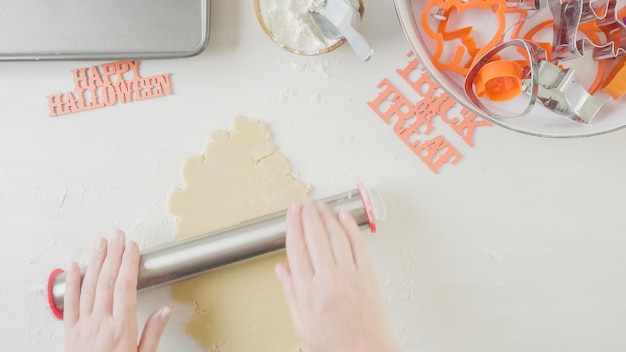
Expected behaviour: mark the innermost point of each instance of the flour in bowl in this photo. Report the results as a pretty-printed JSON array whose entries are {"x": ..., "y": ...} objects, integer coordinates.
[{"x": 291, "y": 26}]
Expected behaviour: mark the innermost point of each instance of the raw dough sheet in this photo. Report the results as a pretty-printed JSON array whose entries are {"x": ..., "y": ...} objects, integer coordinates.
[{"x": 239, "y": 308}]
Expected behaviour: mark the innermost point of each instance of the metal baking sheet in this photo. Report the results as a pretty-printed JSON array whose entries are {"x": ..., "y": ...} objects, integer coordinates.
[{"x": 96, "y": 29}]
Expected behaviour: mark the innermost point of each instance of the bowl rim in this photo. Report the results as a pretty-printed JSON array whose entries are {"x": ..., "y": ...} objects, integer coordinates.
[{"x": 406, "y": 22}]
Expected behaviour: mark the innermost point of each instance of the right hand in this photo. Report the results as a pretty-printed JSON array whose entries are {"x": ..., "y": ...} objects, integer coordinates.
[{"x": 329, "y": 283}]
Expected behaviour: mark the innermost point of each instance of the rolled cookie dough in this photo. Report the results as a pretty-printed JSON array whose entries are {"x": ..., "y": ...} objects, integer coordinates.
[{"x": 239, "y": 308}]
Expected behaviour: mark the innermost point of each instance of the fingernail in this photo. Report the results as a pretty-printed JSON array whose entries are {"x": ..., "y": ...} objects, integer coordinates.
[
  {"x": 321, "y": 205},
  {"x": 130, "y": 244},
  {"x": 100, "y": 243},
  {"x": 165, "y": 312},
  {"x": 278, "y": 271},
  {"x": 295, "y": 207},
  {"x": 118, "y": 236},
  {"x": 308, "y": 204},
  {"x": 71, "y": 268}
]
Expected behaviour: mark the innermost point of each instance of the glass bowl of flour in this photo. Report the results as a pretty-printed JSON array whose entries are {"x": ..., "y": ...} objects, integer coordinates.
[{"x": 289, "y": 24}]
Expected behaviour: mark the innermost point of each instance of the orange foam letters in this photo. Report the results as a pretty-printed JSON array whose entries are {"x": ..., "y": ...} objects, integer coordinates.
[
  {"x": 105, "y": 85},
  {"x": 109, "y": 96},
  {"x": 438, "y": 152},
  {"x": 423, "y": 85},
  {"x": 391, "y": 100},
  {"x": 81, "y": 80},
  {"x": 56, "y": 105},
  {"x": 70, "y": 102},
  {"x": 109, "y": 71},
  {"x": 133, "y": 65},
  {"x": 96, "y": 78},
  {"x": 164, "y": 82},
  {"x": 465, "y": 128}
]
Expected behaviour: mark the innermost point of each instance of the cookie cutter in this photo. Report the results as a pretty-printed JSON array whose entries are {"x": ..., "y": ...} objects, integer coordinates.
[
  {"x": 528, "y": 78},
  {"x": 559, "y": 93},
  {"x": 569, "y": 15},
  {"x": 615, "y": 85},
  {"x": 591, "y": 35},
  {"x": 590, "y": 30},
  {"x": 542, "y": 81},
  {"x": 526, "y": 4},
  {"x": 463, "y": 55},
  {"x": 499, "y": 80}
]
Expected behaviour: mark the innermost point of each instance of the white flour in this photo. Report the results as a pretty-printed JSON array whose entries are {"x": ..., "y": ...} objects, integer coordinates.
[{"x": 291, "y": 24}]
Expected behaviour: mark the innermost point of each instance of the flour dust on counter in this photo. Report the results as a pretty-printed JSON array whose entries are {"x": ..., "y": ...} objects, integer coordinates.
[
  {"x": 318, "y": 68},
  {"x": 239, "y": 176}
]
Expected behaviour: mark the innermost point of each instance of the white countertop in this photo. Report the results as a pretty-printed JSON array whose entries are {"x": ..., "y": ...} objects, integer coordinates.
[{"x": 518, "y": 247}]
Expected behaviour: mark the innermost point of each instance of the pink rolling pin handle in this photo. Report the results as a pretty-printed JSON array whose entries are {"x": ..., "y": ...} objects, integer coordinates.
[
  {"x": 53, "y": 307},
  {"x": 369, "y": 207}
]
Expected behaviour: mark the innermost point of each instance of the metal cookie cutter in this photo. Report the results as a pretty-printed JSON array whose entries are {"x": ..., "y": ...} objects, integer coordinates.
[
  {"x": 569, "y": 15},
  {"x": 542, "y": 81},
  {"x": 612, "y": 27},
  {"x": 559, "y": 93},
  {"x": 526, "y": 4}
]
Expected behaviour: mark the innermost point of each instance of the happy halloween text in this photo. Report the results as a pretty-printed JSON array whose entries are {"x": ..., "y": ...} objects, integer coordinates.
[{"x": 105, "y": 85}]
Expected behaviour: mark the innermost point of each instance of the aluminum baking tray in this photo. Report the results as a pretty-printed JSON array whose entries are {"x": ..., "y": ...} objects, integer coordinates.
[{"x": 102, "y": 30}]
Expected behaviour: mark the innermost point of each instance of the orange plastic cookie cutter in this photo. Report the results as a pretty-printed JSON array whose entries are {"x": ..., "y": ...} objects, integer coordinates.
[
  {"x": 499, "y": 80},
  {"x": 515, "y": 30},
  {"x": 615, "y": 85},
  {"x": 442, "y": 10},
  {"x": 530, "y": 35}
]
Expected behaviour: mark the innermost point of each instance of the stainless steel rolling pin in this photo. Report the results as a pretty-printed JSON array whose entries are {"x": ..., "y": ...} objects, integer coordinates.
[{"x": 179, "y": 260}]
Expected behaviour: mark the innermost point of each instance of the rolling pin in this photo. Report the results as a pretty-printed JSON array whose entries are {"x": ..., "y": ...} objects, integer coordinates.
[{"x": 179, "y": 260}]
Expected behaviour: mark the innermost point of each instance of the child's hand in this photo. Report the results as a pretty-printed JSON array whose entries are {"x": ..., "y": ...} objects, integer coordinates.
[
  {"x": 102, "y": 315},
  {"x": 329, "y": 284}
]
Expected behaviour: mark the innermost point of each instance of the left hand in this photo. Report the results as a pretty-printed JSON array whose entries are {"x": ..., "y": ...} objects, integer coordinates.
[{"x": 102, "y": 315}]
